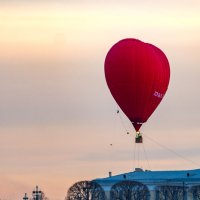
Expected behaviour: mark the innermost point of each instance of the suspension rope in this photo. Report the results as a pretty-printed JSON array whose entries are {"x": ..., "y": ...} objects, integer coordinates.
[
  {"x": 122, "y": 122},
  {"x": 146, "y": 156},
  {"x": 134, "y": 155},
  {"x": 137, "y": 154},
  {"x": 172, "y": 151}
]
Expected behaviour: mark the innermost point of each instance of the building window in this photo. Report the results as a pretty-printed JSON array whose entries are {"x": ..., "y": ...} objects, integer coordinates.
[
  {"x": 169, "y": 192},
  {"x": 195, "y": 190},
  {"x": 129, "y": 190}
]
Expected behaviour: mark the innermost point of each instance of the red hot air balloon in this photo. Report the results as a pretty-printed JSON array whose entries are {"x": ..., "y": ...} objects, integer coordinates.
[{"x": 137, "y": 75}]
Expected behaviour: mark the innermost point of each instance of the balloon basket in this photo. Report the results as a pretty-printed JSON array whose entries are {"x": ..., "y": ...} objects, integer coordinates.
[{"x": 138, "y": 138}]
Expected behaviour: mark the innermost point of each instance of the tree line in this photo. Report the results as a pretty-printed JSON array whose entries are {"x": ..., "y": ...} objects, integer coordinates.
[{"x": 122, "y": 190}]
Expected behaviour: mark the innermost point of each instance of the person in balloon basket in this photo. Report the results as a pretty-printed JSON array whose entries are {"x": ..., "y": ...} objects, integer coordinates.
[{"x": 138, "y": 138}]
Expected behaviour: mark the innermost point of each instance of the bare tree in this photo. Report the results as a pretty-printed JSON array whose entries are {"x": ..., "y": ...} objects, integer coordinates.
[
  {"x": 43, "y": 196},
  {"x": 129, "y": 190},
  {"x": 85, "y": 190},
  {"x": 195, "y": 190},
  {"x": 169, "y": 192}
]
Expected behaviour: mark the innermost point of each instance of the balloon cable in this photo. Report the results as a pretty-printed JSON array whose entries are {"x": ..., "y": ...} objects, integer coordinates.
[
  {"x": 172, "y": 151},
  {"x": 137, "y": 150},
  {"x": 139, "y": 155},
  {"x": 123, "y": 125},
  {"x": 134, "y": 156},
  {"x": 146, "y": 157}
]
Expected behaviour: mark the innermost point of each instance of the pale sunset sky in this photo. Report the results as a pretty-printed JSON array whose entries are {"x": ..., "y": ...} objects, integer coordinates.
[{"x": 57, "y": 116}]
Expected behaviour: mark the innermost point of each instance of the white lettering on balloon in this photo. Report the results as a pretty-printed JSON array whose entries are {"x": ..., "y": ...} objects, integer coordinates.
[{"x": 158, "y": 94}]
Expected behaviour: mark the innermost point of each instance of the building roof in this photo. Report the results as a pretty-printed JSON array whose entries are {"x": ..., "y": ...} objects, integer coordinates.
[{"x": 155, "y": 176}]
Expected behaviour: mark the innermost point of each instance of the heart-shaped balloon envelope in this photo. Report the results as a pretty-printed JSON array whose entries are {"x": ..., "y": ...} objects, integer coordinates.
[{"x": 137, "y": 75}]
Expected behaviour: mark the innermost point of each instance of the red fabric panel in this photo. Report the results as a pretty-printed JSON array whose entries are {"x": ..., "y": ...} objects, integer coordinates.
[{"x": 137, "y": 75}]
